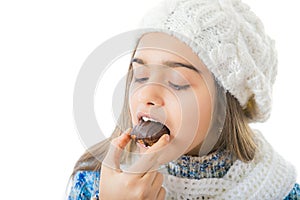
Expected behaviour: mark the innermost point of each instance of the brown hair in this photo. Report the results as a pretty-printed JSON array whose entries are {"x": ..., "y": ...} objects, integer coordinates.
[{"x": 236, "y": 137}]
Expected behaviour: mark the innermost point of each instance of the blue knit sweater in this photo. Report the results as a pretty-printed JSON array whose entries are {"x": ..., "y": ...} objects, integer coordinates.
[{"x": 85, "y": 184}]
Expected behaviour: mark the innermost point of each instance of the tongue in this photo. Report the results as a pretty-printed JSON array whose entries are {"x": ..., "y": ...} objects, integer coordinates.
[{"x": 147, "y": 133}]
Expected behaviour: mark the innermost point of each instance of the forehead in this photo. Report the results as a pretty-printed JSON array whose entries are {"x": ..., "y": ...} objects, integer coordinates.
[
  {"x": 166, "y": 46},
  {"x": 157, "y": 47}
]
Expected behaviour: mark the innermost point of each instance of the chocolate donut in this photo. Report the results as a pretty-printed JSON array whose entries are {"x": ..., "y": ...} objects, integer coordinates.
[{"x": 148, "y": 132}]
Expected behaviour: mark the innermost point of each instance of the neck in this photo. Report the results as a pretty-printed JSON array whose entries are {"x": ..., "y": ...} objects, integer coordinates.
[{"x": 194, "y": 151}]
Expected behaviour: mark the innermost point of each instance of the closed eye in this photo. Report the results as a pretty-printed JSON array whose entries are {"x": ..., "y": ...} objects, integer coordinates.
[
  {"x": 178, "y": 87},
  {"x": 172, "y": 85},
  {"x": 140, "y": 80}
]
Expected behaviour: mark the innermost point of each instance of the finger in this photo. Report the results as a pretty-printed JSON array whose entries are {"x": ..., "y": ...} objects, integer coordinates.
[
  {"x": 156, "y": 183},
  {"x": 161, "y": 194},
  {"x": 112, "y": 158},
  {"x": 163, "y": 140},
  {"x": 158, "y": 180},
  {"x": 150, "y": 177},
  {"x": 122, "y": 140},
  {"x": 149, "y": 159}
]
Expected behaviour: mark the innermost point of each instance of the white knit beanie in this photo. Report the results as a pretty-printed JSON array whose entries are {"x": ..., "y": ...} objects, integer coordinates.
[{"x": 231, "y": 42}]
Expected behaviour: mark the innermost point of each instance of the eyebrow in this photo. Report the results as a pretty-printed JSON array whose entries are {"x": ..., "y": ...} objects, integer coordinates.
[{"x": 168, "y": 63}]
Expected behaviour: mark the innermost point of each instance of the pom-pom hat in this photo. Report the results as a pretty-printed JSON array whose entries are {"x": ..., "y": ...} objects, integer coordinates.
[{"x": 230, "y": 40}]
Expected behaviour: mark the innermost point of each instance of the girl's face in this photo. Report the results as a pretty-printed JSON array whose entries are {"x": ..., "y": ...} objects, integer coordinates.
[{"x": 171, "y": 85}]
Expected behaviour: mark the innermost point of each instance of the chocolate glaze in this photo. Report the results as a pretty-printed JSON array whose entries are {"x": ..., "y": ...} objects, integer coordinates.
[{"x": 147, "y": 133}]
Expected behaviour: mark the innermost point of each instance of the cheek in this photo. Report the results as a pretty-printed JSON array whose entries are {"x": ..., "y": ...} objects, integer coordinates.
[
  {"x": 133, "y": 103},
  {"x": 196, "y": 117},
  {"x": 173, "y": 113},
  {"x": 205, "y": 106},
  {"x": 187, "y": 118},
  {"x": 204, "y": 120}
]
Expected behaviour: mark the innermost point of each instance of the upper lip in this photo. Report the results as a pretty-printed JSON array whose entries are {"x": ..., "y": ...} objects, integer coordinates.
[
  {"x": 141, "y": 114},
  {"x": 160, "y": 120}
]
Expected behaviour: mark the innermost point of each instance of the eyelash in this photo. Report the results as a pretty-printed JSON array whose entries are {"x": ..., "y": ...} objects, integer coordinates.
[{"x": 174, "y": 86}]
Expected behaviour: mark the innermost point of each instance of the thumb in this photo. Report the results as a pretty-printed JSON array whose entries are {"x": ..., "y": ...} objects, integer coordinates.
[
  {"x": 163, "y": 140},
  {"x": 112, "y": 158},
  {"x": 149, "y": 160}
]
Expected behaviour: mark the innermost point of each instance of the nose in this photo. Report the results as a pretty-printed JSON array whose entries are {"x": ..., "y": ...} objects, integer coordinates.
[{"x": 151, "y": 95}]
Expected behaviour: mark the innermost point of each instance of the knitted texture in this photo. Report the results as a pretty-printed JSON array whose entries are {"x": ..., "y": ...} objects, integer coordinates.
[
  {"x": 267, "y": 177},
  {"x": 214, "y": 165},
  {"x": 85, "y": 184},
  {"x": 231, "y": 42}
]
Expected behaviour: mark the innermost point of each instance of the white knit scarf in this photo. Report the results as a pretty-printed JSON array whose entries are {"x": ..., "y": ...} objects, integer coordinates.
[{"x": 267, "y": 177}]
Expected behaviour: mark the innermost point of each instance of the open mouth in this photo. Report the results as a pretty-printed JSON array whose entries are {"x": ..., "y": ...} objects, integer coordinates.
[{"x": 148, "y": 131}]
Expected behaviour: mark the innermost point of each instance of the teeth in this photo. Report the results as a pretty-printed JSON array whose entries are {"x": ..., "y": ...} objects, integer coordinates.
[{"x": 148, "y": 119}]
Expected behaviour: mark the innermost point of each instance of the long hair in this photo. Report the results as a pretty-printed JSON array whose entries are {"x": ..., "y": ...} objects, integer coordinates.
[
  {"x": 236, "y": 137},
  {"x": 92, "y": 157}
]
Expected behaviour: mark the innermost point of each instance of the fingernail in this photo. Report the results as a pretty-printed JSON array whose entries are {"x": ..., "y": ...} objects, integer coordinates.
[
  {"x": 167, "y": 138},
  {"x": 126, "y": 132}
]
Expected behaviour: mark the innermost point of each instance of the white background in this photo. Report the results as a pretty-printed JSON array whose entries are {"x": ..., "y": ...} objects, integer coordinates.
[{"x": 42, "y": 47}]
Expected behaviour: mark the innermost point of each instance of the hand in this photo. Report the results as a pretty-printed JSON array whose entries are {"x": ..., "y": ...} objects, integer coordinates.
[{"x": 138, "y": 182}]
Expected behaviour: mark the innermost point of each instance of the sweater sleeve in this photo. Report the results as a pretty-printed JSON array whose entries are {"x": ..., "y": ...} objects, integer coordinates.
[
  {"x": 294, "y": 194},
  {"x": 85, "y": 185}
]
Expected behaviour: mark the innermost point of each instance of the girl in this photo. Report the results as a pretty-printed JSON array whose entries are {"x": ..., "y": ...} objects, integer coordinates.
[{"x": 203, "y": 69}]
